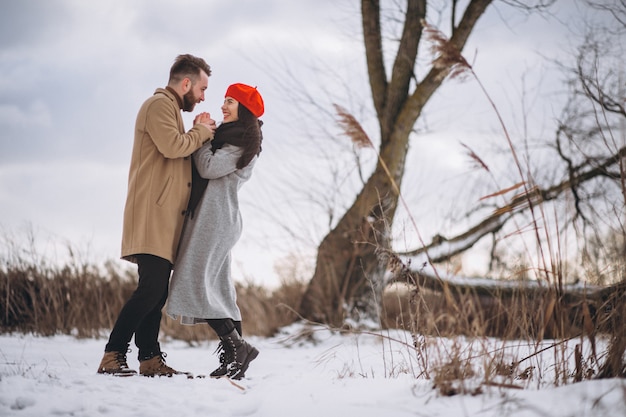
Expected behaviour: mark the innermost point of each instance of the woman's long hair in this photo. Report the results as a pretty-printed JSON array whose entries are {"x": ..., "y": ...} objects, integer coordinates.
[
  {"x": 252, "y": 135},
  {"x": 245, "y": 133}
]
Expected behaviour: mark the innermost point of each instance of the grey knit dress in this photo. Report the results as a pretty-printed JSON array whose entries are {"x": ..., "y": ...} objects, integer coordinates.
[{"x": 201, "y": 286}]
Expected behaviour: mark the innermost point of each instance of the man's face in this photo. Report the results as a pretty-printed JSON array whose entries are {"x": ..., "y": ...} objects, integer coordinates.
[{"x": 196, "y": 93}]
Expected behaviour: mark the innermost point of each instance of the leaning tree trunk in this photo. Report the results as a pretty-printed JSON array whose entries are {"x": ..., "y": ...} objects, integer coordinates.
[{"x": 349, "y": 278}]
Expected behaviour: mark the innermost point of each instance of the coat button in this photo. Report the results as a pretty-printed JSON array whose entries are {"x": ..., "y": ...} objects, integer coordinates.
[{"x": 188, "y": 184}]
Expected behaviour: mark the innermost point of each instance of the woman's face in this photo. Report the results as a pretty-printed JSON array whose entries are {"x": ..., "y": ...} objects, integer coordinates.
[{"x": 230, "y": 110}]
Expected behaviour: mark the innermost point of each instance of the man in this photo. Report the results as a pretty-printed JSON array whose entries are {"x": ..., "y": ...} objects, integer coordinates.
[{"x": 159, "y": 184}]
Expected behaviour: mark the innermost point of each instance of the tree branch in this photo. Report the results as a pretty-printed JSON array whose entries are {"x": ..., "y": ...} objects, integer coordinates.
[
  {"x": 370, "y": 13},
  {"x": 433, "y": 80},
  {"x": 442, "y": 249},
  {"x": 403, "y": 65}
]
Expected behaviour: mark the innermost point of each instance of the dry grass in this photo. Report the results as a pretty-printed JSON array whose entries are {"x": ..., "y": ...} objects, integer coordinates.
[
  {"x": 518, "y": 314},
  {"x": 450, "y": 343},
  {"x": 264, "y": 312},
  {"x": 84, "y": 300},
  {"x": 47, "y": 300}
]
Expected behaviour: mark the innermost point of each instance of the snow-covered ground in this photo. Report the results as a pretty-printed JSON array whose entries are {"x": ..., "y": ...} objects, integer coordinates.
[{"x": 324, "y": 375}]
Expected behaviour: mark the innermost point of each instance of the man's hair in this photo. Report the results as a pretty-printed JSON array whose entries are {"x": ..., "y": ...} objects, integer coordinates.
[{"x": 188, "y": 66}]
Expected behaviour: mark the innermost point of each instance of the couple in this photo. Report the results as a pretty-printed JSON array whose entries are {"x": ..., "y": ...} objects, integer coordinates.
[{"x": 182, "y": 208}]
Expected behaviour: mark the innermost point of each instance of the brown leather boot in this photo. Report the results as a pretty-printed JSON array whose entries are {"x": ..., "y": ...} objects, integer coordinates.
[
  {"x": 114, "y": 363},
  {"x": 156, "y": 366}
]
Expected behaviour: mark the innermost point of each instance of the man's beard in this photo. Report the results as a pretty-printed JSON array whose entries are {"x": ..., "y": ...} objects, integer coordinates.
[{"x": 189, "y": 101}]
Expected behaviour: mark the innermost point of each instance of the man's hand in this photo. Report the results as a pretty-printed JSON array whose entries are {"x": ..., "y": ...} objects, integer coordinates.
[{"x": 205, "y": 119}]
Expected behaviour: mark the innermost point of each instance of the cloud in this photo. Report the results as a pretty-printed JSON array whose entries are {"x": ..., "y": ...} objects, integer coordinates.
[
  {"x": 68, "y": 200},
  {"x": 36, "y": 115},
  {"x": 26, "y": 23},
  {"x": 74, "y": 73},
  {"x": 20, "y": 127}
]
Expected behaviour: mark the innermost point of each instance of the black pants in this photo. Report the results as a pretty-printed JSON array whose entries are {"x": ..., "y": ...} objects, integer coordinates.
[
  {"x": 224, "y": 326},
  {"x": 141, "y": 315}
]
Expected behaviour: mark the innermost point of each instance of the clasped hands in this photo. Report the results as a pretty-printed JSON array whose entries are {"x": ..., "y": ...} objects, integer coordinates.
[{"x": 205, "y": 119}]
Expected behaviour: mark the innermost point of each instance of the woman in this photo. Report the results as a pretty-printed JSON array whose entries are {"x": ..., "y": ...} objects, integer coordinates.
[{"x": 202, "y": 289}]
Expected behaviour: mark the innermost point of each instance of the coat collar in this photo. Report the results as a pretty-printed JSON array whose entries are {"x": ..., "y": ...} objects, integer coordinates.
[{"x": 169, "y": 91}]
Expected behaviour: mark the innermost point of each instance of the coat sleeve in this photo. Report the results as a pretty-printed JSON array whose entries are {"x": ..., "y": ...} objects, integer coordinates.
[
  {"x": 163, "y": 127},
  {"x": 219, "y": 164}
]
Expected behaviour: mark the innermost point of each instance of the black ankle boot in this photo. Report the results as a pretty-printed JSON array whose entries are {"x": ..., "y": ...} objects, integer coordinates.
[
  {"x": 242, "y": 353},
  {"x": 226, "y": 357}
]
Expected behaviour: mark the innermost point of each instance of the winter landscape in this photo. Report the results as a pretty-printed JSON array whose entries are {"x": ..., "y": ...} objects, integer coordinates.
[
  {"x": 508, "y": 148},
  {"x": 303, "y": 371}
]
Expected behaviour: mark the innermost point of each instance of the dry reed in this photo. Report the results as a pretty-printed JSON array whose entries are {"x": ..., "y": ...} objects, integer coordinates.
[
  {"x": 517, "y": 314},
  {"x": 83, "y": 299}
]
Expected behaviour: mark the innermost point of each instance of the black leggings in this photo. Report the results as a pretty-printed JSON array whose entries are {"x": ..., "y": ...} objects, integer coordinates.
[
  {"x": 224, "y": 326},
  {"x": 141, "y": 315}
]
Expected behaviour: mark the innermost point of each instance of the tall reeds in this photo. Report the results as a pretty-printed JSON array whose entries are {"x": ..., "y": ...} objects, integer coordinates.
[
  {"x": 83, "y": 299},
  {"x": 506, "y": 313}
]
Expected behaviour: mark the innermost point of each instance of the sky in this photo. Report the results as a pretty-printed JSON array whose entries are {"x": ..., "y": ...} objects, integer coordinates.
[
  {"x": 73, "y": 75},
  {"x": 302, "y": 371}
]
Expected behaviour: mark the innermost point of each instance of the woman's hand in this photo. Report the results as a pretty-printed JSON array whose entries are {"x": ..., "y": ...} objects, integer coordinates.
[{"x": 205, "y": 120}]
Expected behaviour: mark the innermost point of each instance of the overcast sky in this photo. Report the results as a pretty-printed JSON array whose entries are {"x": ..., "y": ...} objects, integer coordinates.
[{"x": 74, "y": 73}]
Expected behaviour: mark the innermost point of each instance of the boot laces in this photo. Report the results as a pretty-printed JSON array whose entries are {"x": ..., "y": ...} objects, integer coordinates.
[
  {"x": 225, "y": 355},
  {"x": 233, "y": 350},
  {"x": 120, "y": 359},
  {"x": 163, "y": 366},
  {"x": 162, "y": 356}
]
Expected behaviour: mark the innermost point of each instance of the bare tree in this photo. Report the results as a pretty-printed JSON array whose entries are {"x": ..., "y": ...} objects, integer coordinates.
[
  {"x": 589, "y": 148},
  {"x": 349, "y": 277}
]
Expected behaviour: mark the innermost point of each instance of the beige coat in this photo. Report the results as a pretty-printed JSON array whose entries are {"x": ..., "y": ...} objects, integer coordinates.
[{"x": 159, "y": 180}]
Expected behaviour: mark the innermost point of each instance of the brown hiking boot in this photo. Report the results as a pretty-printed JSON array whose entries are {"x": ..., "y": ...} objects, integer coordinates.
[
  {"x": 156, "y": 366},
  {"x": 114, "y": 363}
]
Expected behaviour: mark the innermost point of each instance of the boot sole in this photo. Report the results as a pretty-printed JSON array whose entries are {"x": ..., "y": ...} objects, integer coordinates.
[
  {"x": 167, "y": 374},
  {"x": 118, "y": 374}
]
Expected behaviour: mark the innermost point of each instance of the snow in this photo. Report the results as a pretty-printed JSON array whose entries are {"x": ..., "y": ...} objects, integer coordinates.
[
  {"x": 420, "y": 264},
  {"x": 325, "y": 374}
]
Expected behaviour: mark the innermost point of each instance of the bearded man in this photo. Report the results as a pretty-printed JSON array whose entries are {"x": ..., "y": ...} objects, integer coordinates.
[{"x": 159, "y": 185}]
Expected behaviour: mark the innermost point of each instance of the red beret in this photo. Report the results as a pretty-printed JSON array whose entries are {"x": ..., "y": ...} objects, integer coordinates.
[{"x": 248, "y": 96}]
